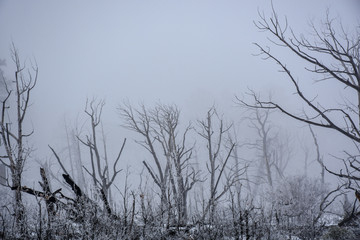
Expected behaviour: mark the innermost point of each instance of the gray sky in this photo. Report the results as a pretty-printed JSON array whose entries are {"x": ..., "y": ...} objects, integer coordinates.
[{"x": 192, "y": 53}]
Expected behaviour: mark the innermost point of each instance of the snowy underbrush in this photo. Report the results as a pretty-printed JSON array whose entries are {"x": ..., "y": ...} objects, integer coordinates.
[{"x": 290, "y": 210}]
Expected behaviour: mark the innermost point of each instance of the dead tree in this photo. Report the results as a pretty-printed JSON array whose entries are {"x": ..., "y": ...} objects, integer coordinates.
[
  {"x": 13, "y": 112},
  {"x": 217, "y": 161},
  {"x": 99, "y": 165},
  {"x": 261, "y": 125},
  {"x": 51, "y": 199},
  {"x": 331, "y": 56},
  {"x": 178, "y": 155},
  {"x": 140, "y": 121},
  {"x": 169, "y": 151},
  {"x": 274, "y": 153},
  {"x": 334, "y": 56},
  {"x": 82, "y": 200}
]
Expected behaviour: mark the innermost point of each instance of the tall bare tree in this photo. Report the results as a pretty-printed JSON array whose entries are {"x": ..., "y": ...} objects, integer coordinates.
[
  {"x": 274, "y": 153},
  {"x": 332, "y": 56},
  {"x": 140, "y": 121},
  {"x": 213, "y": 131},
  {"x": 170, "y": 152},
  {"x": 13, "y": 112},
  {"x": 261, "y": 124},
  {"x": 100, "y": 167}
]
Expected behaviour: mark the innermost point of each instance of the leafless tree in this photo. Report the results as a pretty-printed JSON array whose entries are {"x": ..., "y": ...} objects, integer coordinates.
[
  {"x": 213, "y": 131},
  {"x": 273, "y": 151},
  {"x": 99, "y": 165},
  {"x": 170, "y": 151},
  {"x": 12, "y": 130},
  {"x": 333, "y": 56},
  {"x": 140, "y": 121},
  {"x": 261, "y": 125}
]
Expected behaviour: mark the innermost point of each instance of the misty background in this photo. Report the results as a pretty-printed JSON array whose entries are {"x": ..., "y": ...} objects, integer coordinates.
[{"x": 195, "y": 54}]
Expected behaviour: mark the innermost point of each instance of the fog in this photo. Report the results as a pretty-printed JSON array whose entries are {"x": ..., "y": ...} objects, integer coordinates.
[{"x": 195, "y": 54}]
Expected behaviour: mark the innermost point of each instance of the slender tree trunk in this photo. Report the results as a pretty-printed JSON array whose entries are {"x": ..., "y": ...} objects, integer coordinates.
[{"x": 19, "y": 208}]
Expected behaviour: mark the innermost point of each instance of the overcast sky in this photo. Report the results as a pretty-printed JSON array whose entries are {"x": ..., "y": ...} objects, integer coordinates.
[{"x": 191, "y": 53}]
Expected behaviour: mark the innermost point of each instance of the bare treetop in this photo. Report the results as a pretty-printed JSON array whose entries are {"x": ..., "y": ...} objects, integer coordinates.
[{"x": 333, "y": 56}]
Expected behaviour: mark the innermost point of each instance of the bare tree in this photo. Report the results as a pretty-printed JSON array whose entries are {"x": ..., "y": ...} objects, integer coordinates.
[
  {"x": 169, "y": 150},
  {"x": 332, "y": 57},
  {"x": 213, "y": 130},
  {"x": 140, "y": 122},
  {"x": 100, "y": 165},
  {"x": 182, "y": 174},
  {"x": 274, "y": 152},
  {"x": 12, "y": 130},
  {"x": 261, "y": 125}
]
